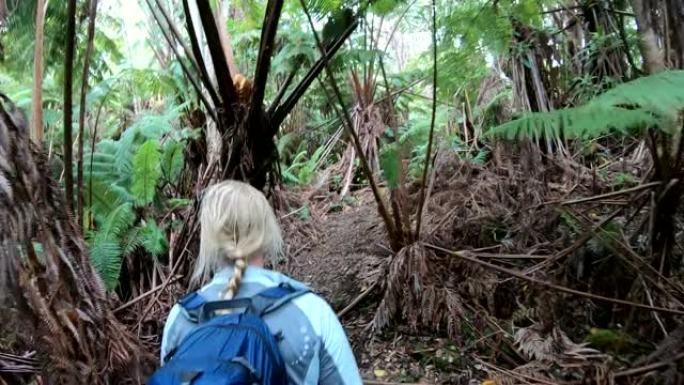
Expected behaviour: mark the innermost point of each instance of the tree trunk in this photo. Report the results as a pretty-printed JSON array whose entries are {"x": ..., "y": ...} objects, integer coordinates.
[
  {"x": 654, "y": 59},
  {"x": 220, "y": 16},
  {"x": 3, "y": 11},
  {"x": 675, "y": 14},
  {"x": 68, "y": 108},
  {"x": 37, "y": 99},
  {"x": 92, "y": 14}
]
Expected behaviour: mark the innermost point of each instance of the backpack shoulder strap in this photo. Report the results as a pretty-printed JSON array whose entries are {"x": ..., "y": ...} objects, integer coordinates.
[
  {"x": 192, "y": 303},
  {"x": 273, "y": 298}
]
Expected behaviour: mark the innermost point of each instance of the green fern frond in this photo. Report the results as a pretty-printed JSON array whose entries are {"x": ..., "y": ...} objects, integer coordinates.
[
  {"x": 132, "y": 240},
  {"x": 390, "y": 163},
  {"x": 571, "y": 123},
  {"x": 659, "y": 93},
  {"x": 105, "y": 248},
  {"x": 146, "y": 172},
  {"x": 104, "y": 198},
  {"x": 153, "y": 238},
  {"x": 106, "y": 257},
  {"x": 650, "y": 102},
  {"x": 480, "y": 157},
  {"x": 173, "y": 160},
  {"x": 117, "y": 222}
]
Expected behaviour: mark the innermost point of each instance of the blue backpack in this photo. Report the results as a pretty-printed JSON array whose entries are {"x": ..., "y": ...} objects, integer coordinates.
[{"x": 231, "y": 349}]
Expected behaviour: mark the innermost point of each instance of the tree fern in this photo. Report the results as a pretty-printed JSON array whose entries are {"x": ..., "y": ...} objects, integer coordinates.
[
  {"x": 146, "y": 172},
  {"x": 650, "y": 102}
]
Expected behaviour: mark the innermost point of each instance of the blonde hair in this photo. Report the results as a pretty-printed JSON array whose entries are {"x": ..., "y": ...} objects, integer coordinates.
[{"x": 237, "y": 223}]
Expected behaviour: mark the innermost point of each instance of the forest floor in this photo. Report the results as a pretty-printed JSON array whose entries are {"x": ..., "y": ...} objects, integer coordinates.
[
  {"x": 469, "y": 322},
  {"x": 334, "y": 252}
]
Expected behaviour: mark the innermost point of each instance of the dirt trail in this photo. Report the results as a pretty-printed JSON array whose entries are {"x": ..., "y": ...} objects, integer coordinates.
[{"x": 335, "y": 252}]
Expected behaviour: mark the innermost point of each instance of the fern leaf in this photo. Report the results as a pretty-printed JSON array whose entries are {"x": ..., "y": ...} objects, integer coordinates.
[
  {"x": 105, "y": 198},
  {"x": 172, "y": 160},
  {"x": 106, "y": 257},
  {"x": 627, "y": 108},
  {"x": 105, "y": 248},
  {"x": 153, "y": 238},
  {"x": 117, "y": 222},
  {"x": 132, "y": 240},
  {"x": 659, "y": 93},
  {"x": 146, "y": 172}
]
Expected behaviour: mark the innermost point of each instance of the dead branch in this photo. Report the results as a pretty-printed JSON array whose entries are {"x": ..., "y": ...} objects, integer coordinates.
[
  {"x": 554, "y": 286},
  {"x": 647, "y": 368}
]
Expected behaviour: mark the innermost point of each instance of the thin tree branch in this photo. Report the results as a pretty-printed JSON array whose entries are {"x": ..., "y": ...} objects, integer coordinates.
[
  {"x": 82, "y": 109},
  {"x": 185, "y": 68},
  {"x": 553, "y": 286},
  {"x": 347, "y": 123},
  {"x": 225, "y": 37},
  {"x": 648, "y": 368},
  {"x": 421, "y": 201},
  {"x": 282, "y": 111},
  {"x": 630, "y": 190},
  {"x": 37, "y": 97},
  {"x": 283, "y": 90},
  {"x": 176, "y": 34}
]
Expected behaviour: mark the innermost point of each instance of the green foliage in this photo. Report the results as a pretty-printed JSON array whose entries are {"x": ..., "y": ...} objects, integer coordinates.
[
  {"x": 390, "y": 163},
  {"x": 105, "y": 247},
  {"x": 153, "y": 238},
  {"x": 301, "y": 170},
  {"x": 146, "y": 172},
  {"x": 127, "y": 173},
  {"x": 172, "y": 161},
  {"x": 625, "y": 179},
  {"x": 628, "y": 108}
]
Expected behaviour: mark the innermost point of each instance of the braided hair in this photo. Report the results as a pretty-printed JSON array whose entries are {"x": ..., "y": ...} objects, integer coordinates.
[{"x": 237, "y": 223}]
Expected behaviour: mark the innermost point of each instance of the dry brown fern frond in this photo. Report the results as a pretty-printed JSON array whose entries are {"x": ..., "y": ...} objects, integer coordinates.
[
  {"x": 554, "y": 348},
  {"x": 44, "y": 260},
  {"x": 414, "y": 293}
]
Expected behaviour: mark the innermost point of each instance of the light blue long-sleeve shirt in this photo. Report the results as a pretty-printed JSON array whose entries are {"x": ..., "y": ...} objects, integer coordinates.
[{"x": 315, "y": 346}]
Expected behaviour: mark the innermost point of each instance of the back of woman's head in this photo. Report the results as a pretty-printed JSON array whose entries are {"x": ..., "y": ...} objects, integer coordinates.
[{"x": 237, "y": 223}]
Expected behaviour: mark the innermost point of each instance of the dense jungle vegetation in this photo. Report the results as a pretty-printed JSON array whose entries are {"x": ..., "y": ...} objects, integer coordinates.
[{"x": 487, "y": 191}]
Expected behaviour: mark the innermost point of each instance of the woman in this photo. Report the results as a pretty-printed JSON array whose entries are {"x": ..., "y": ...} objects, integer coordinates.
[{"x": 239, "y": 232}]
